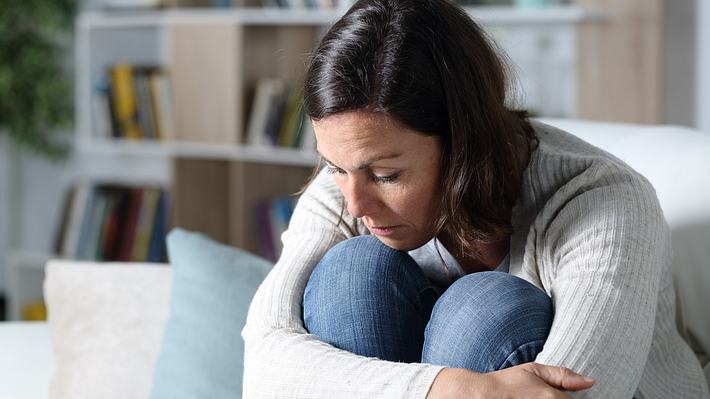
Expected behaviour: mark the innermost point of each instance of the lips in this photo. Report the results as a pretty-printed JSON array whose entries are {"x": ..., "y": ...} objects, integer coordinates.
[{"x": 383, "y": 230}]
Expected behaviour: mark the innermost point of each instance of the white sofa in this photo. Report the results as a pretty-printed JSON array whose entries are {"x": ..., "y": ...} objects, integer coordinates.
[{"x": 90, "y": 300}]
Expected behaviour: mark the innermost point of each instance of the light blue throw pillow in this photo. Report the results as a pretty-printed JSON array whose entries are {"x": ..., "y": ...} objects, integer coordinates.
[{"x": 202, "y": 354}]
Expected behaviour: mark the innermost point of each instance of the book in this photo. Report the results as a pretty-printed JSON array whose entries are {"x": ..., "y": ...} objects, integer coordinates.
[
  {"x": 104, "y": 122},
  {"x": 156, "y": 248},
  {"x": 124, "y": 100},
  {"x": 144, "y": 227},
  {"x": 86, "y": 225},
  {"x": 94, "y": 222},
  {"x": 115, "y": 125},
  {"x": 130, "y": 222},
  {"x": 60, "y": 234},
  {"x": 78, "y": 207},
  {"x": 162, "y": 103},
  {"x": 107, "y": 222},
  {"x": 263, "y": 223},
  {"x": 275, "y": 117},
  {"x": 102, "y": 223},
  {"x": 266, "y": 91},
  {"x": 291, "y": 117},
  {"x": 111, "y": 237},
  {"x": 144, "y": 103}
]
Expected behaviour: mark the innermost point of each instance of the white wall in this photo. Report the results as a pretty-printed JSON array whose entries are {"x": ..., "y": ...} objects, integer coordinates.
[
  {"x": 5, "y": 213},
  {"x": 687, "y": 63},
  {"x": 702, "y": 109},
  {"x": 679, "y": 62},
  {"x": 41, "y": 185}
]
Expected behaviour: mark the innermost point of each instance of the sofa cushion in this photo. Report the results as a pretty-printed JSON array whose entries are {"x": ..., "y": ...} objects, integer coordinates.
[
  {"x": 106, "y": 322},
  {"x": 203, "y": 353}
]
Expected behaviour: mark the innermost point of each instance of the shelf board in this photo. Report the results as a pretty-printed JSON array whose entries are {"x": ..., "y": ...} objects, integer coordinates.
[
  {"x": 486, "y": 15},
  {"x": 246, "y": 16},
  {"x": 230, "y": 152},
  {"x": 550, "y": 15},
  {"x": 30, "y": 259}
]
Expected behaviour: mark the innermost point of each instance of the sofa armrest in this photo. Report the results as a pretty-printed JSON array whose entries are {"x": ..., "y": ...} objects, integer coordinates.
[{"x": 27, "y": 360}]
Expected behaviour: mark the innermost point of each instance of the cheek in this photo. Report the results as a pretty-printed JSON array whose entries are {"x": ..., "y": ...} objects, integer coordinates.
[
  {"x": 417, "y": 206},
  {"x": 426, "y": 202}
]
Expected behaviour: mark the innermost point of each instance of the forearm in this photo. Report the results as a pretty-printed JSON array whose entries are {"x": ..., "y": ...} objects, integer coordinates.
[{"x": 285, "y": 363}]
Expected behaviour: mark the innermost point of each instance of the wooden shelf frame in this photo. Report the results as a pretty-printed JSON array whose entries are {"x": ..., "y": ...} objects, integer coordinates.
[
  {"x": 198, "y": 150},
  {"x": 219, "y": 197},
  {"x": 487, "y": 15}
]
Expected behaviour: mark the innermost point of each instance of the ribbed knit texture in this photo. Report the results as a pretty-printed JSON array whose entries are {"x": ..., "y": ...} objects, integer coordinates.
[{"x": 588, "y": 230}]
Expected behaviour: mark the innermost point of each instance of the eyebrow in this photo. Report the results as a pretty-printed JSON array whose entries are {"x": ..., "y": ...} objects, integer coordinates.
[{"x": 369, "y": 162}]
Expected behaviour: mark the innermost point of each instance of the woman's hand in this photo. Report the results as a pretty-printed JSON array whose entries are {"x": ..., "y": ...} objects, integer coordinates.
[{"x": 529, "y": 380}]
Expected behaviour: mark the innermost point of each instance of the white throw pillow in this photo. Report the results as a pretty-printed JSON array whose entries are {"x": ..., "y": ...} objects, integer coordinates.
[{"x": 106, "y": 323}]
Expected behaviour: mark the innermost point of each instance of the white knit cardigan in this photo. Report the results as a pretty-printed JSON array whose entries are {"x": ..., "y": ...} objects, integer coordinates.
[{"x": 588, "y": 231}]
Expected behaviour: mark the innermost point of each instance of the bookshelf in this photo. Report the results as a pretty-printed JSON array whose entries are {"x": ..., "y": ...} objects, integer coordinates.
[{"x": 215, "y": 59}]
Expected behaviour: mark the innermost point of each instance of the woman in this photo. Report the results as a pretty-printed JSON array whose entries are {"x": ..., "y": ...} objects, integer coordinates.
[{"x": 453, "y": 248}]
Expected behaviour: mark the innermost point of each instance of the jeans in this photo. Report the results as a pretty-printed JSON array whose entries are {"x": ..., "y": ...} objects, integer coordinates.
[{"x": 374, "y": 301}]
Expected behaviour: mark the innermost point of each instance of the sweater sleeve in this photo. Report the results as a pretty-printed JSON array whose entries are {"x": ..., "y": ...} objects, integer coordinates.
[
  {"x": 281, "y": 359},
  {"x": 606, "y": 248}
]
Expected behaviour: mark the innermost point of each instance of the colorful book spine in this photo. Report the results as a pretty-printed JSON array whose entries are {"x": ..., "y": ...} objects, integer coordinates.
[
  {"x": 144, "y": 108},
  {"x": 144, "y": 229},
  {"x": 125, "y": 101},
  {"x": 130, "y": 223},
  {"x": 115, "y": 223},
  {"x": 263, "y": 223},
  {"x": 133, "y": 101},
  {"x": 289, "y": 125},
  {"x": 162, "y": 104},
  {"x": 156, "y": 249}
]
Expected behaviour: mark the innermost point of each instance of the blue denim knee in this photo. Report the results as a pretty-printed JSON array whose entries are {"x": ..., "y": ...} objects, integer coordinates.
[
  {"x": 488, "y": 321},
  {"x": 369, "y": 299}
]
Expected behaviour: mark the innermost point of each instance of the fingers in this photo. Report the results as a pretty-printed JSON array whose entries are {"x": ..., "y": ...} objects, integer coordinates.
[{"x": 561, "y": 377}]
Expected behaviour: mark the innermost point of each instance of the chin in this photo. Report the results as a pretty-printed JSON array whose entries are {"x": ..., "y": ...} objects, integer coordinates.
[{"x": 400, "y": 245}]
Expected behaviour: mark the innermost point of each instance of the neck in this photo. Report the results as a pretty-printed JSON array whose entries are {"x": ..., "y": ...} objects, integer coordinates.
[{"x": 489, "y": 256}]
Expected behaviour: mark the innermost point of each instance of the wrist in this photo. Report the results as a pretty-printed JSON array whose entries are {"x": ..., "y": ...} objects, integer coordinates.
[{"x": 455, "y": 383}]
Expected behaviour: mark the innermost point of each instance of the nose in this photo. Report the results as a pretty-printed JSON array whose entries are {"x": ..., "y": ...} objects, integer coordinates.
[{"x": 360, "y": 200}]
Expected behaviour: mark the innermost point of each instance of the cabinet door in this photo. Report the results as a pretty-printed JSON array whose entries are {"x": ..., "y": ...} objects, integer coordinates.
[
  {"x": 620, "y": 62},
  {"x": 206, "y": 71}
]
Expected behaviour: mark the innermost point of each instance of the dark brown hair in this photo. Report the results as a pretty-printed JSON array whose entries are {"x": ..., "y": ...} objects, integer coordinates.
[{"x": 428, "y": 65}]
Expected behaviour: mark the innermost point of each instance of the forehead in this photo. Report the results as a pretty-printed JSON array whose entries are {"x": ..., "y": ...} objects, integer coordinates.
[
  {"x": 352, "y": 132},
  {"x": 355, "y": 125}
]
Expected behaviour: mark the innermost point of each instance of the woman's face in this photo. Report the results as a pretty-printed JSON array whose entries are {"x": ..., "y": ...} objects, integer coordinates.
[{"x": 388, "y": 174}]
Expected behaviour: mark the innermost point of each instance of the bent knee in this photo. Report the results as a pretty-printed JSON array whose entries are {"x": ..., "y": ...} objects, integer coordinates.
[
  {"x": 503, "y": 292},
  {"x": 485, "y": 317},
  {"x": 493, "y": 299},
  {"x": 360, "y": 263},
  {"x": 353, "y": 276}
]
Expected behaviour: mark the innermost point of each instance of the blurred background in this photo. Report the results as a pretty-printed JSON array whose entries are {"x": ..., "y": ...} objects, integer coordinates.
[{"x": 120, "y": 119}]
